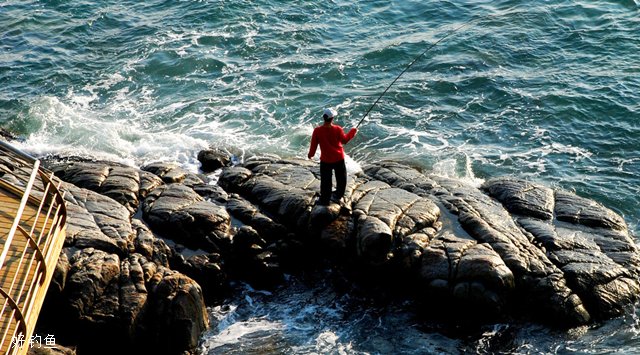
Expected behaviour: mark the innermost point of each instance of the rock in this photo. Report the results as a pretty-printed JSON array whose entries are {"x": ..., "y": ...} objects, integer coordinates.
[
  {"x": 338, "y": 237},
  {"x": 213, "y": 193},
  {"x": 52, "y": 349},
  {"x": 522, "y": 197},
  {"x": 152, "y": 248},
  {"x": 385, "y": 215},
  {"x": 252, "y": 260},
  {"x": 175, "y": 316},
  {"x": 124, "y": 184},
  {"x": 578, "y": 210},
  {"x": 468, "y": 271},
  {"x": 213, "y": 159},
  {"x": 250, "y": 215},
  {"x": 509, "y": 245},
  {"x": 96, "y": 221},
  {"x": 180, "y": 214},
  {"x": 593, "y": 249},
  {"x": 207, "y": 270},
  {"x": 134, "y": 300},
  {"x": 232, "y": 179},
  {"x": 547, "y": 257},
  {"x": 172, "y": 173}
]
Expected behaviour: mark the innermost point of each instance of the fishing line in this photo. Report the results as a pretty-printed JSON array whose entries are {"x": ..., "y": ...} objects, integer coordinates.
[{"x": 415, "y": 60}]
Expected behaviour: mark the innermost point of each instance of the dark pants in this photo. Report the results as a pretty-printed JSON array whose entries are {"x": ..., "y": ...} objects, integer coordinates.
[{"x": 326, "y": 171}]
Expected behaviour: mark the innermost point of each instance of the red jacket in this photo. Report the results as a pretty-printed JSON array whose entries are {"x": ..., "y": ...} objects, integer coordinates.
[{"x": 331, "y": 138}]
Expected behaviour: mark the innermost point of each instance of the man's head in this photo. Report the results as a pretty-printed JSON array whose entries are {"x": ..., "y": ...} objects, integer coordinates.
[{"x": 329, "y": 114}]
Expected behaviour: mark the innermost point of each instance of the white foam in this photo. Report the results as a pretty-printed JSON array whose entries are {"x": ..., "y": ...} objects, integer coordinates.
[{"x": 235, "y": 332}]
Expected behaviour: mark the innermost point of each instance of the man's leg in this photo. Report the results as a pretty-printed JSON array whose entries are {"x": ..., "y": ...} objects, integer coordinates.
[
  {"x": 325, "y": 183},
  {"x": 341, "y": 178}
]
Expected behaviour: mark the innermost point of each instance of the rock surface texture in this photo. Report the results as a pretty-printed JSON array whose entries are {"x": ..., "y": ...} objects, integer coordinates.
[{"x": 508, "y": 248}]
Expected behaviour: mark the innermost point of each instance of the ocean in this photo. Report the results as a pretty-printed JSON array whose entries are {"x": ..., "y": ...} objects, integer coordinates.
[{"x": 548, "y": 91}]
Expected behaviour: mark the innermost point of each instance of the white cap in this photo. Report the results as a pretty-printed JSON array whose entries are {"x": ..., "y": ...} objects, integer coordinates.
[{"x": 331, "y": 113}]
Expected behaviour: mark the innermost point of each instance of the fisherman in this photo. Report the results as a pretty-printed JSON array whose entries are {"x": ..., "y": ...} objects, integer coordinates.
[{"x": 331, "y": 137}]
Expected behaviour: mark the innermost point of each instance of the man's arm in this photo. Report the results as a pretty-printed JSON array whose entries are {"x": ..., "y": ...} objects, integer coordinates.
[
  {"x": 349, "y": 136},
  {"x": 313, "y": 146}
]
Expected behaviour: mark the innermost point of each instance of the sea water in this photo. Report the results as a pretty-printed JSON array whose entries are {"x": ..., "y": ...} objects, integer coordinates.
[{"x": 547, "y": 91}]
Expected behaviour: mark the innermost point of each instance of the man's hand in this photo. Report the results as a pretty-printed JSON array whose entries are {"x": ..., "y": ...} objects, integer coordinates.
[{"x": 310, "y": 156}]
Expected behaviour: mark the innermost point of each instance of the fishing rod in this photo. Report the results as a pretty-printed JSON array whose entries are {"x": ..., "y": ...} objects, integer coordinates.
[{"x": 415, "y": 60}]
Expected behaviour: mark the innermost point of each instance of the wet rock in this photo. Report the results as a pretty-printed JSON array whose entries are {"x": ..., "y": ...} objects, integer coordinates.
[
  {"x": 521, "y": 197},
  {"x": 232, "y": 179},
  {"x": 593, "y": 249},
  {"x": 509, "y": 244},
  {"x": 172, "y": 173},
  {"x": 175, "y": 314},
  {"x": 578, "y": 210},
  {"x": 287, "y": 195},
  {"x": 212, "y": 193},
  {"x": 207, "y": 270},
  {"x": 604, "y": 284},
  {"x": 253, "y": 261},
  {"x": 124, "y": 184},
  {"x": 96, "y": 221},
  {"x": 250, "y": 215},
  {"x": 385, "y": 215},
  {"x": 548, "y": 257},
  {"x": 213, "y": 159},
  {"x": 132, "y": 299},
  {"x": 468, "y": 271},
  {"x": 146, "y": 244},
  {"x": 180, "y": 214},
  {"x": 50, "y": 349}
]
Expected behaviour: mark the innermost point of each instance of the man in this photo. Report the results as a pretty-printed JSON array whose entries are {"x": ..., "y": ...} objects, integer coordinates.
[{"x": 331, "y": 137}]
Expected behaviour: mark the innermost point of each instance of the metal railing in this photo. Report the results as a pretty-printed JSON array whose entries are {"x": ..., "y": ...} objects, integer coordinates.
[{"x": 30, "y": 247}]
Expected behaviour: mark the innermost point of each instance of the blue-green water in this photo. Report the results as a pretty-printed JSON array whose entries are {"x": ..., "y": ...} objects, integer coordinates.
[{"x": 544, "y": 90}]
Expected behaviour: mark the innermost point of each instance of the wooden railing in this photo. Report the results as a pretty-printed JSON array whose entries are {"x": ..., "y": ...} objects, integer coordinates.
[{"x": 32, "y": 231}]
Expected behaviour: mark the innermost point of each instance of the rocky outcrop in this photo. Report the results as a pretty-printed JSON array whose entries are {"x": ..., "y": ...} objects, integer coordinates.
[
  {"x": 506, "y": 248},
  {"x": 213, "y": 159},
  {"x": 124, "y": 184},
  {"x": 114, "y": 278},
  {"x": 569, "y": 255},
  {"x": 588, "y": 242},
  {"x": 184, "y": 216},
  {"x": 492, "y": 246}
]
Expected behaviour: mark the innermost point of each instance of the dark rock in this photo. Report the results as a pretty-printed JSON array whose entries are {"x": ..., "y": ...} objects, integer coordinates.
[
  {"x": 467, "y": 271},
  {"x": 213, "y": 193},
  {"x": 96, "y": 221},
  {"x": 508, "y": 245},
  {"x": 213, "y": 159},
  {"x": 252, "y": 261},
  {"x": 50, "y": 349},
  {"x": 578, "y": 210},
  {"x": 173, "y": 173},
  {"x": 178, "y": 213},
  {"x": 175, "y": 314},
  {"x": 521, "y": 197},
  {"x": 147, "y": 245},
  {"x": 542, "y": 277},
  {"x": 124, "y": 184},
  {"x": 250, "y": 215},
  {"x": 605, "y": 285},
  {"x": 207, "y": 270},
  {"x": 134, "y": 300},
  {"x": 232, "y": 179},
  {"x": 386, "y": 215}
]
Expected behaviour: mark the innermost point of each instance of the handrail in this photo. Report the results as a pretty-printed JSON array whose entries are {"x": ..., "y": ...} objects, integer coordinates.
[
  {"x": 27, "y": 264},
  {"x": 16, "y": 220},
  {"x": 13, "y": 150}
]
